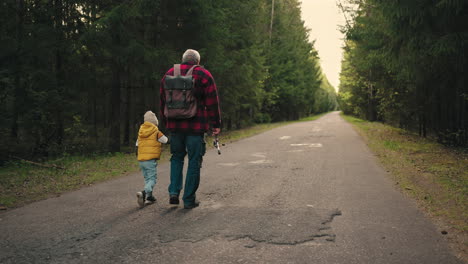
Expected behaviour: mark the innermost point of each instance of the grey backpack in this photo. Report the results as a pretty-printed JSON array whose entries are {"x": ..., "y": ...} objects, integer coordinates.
[{"x": 181, "y": 102}]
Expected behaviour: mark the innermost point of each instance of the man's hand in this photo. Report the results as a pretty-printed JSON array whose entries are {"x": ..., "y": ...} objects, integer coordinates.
[{"x": 216, "y": 131}]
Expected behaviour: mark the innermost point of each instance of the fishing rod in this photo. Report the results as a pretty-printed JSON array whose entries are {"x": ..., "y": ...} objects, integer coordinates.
[{"x": 216, "y": 144}]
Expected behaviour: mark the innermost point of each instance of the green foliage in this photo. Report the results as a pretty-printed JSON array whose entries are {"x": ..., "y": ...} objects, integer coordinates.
[
  {"x": 392, "y": 145},
  {"x": 405, "y": 63},
  {"x": 77, "y": 75},
  {"x": 294, "y": 73},
  {"x": 325, "y": 97}
]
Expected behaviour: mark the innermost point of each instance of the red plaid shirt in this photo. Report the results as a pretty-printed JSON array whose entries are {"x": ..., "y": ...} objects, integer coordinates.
[{"x": 208, "y": 112}]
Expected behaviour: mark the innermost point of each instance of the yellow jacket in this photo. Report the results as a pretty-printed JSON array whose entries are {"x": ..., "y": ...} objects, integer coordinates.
[{"x": 148, "y": 145}]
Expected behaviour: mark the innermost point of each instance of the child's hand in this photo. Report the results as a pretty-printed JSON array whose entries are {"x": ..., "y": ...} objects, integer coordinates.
[{"x": 163, "y": 139}]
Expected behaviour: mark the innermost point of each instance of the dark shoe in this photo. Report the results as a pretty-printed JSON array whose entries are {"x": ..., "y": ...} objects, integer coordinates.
[
  {"x": 191, "y": 206},
  {"x": 174, "y": 199},
  {"x": 150, "y": 200},
  {"x": 141, "y": 197}
]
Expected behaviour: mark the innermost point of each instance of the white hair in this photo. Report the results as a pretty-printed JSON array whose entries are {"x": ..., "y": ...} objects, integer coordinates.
[{"x": 191, "y": 55}]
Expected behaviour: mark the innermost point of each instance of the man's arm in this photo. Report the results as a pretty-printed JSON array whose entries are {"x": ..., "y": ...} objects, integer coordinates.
[{"x": 212, "y": 102}]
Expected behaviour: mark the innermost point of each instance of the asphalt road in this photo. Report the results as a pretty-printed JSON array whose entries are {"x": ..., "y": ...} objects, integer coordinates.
[{"x": 308, "y": 192}]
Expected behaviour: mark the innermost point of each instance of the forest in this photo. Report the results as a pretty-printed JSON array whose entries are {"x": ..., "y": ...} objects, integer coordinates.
[
  {"x": 405, "y": 64},
  {"x": 76, "y": 76}
]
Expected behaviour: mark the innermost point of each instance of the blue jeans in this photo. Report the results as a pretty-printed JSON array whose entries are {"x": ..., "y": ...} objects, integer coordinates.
[
  {"x": 181, "y": 145},
  {"x": 148, "y": 168}
]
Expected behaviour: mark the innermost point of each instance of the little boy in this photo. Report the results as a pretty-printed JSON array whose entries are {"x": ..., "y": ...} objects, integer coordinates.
[{"x": 149, "y": 151}]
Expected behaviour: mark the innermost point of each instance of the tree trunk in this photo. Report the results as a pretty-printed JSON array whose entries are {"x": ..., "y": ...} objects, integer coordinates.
[
  {"x": 60, "y": 88},
  {"x": 59, "y": 72},
  {"x": 114, "y": 141},
  {"x": 424, "y": 125},
  {"x": 126, "y": 110},
  {"x": 19, "y": 93},
  {"x": 92, "y": 91},
  {"x": 92, "y": 103}
]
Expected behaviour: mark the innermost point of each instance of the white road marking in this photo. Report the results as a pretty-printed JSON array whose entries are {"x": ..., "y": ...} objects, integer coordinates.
[
  {"x": 263, "y": 161},
  {"x": 316, "y": 129},
  {"x": 312, "y": 145},
  {"x": 259, "y": 155},
  {"x": 215, "y": 205},
  {"x": 315, "y": 145},
  {"x": 296, "y": 150},
  {"x": 309, "y": 205},
  {"x": 229, "y": 164},
  {"x": 311, "y": 243},
  {"x": 285, "y": 137}
]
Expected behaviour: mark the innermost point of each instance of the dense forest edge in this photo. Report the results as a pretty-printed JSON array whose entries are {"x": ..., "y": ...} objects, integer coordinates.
[
  {"x": 76, "y": 76},
  {"x": 405, "y": 64}
]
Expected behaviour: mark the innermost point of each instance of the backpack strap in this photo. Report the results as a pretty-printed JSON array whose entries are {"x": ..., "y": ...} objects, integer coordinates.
[
  {"x": 191, "y": 70},
  {"x": 176, "y": 69}
]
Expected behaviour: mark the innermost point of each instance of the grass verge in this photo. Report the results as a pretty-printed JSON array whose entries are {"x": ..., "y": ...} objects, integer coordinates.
[
  {"x": 22, "y": 183},
  {"x": 436, "y": 176}
]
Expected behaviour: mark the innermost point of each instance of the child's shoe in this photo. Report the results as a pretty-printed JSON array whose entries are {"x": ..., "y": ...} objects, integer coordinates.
[
  {"x": 150, "y": 200},
  {"x": 141, "y": 197}
]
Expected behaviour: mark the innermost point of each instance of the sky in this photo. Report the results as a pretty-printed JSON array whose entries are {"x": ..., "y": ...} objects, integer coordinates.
[{"x": 323, "y": 18}]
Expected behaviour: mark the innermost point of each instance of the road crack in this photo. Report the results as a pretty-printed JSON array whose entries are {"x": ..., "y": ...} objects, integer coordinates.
[{"x": 290, "y": 226}]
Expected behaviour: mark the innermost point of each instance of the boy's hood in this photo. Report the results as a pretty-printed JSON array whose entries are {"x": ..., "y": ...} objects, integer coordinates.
[{"x": 147, "y": 129}]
